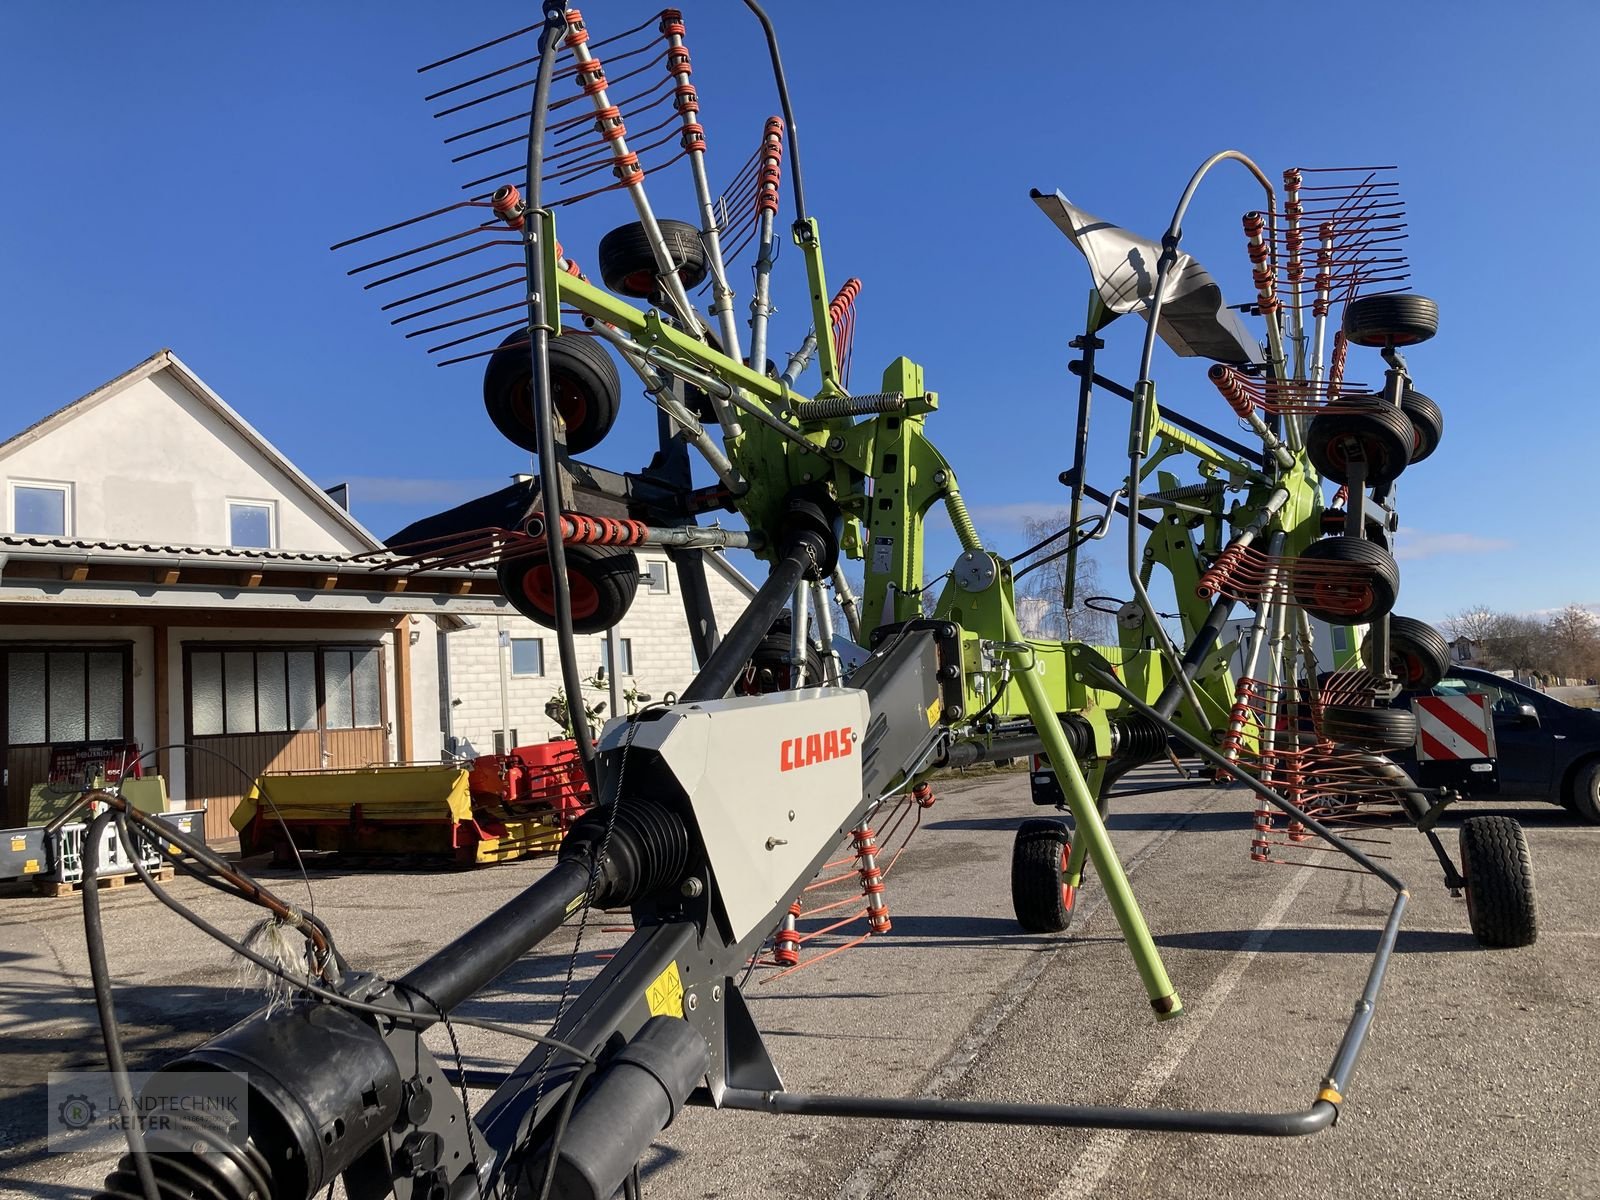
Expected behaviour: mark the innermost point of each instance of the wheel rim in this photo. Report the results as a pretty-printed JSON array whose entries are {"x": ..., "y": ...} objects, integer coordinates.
[
  {"x": 1346, "y": 599},
  {"x": 538, "y": 584},
  {"x": 1069, "y": 894},
  {"x": 571, "y": 401}
]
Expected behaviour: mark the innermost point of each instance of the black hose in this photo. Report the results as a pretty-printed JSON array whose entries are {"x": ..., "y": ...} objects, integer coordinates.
[
  {"x": 797, "y": 182},
  {"x": 100, "y": 975},
  {"x": 728, "y": 660},
  {"x": 539, "y": 326}
]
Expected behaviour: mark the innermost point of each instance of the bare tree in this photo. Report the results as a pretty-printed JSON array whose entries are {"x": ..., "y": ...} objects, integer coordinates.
[
  {"x": 1574, "y": 643},
  {"x": 1477, "y": 624},
  {"x": 1042, "y": 610}
]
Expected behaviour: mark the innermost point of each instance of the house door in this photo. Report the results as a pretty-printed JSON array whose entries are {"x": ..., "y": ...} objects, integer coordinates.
[{"x": 253, "y": 709}]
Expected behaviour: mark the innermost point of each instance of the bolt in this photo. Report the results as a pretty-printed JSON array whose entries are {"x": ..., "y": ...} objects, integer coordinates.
[
  {"x": 692, "y": 887},
  {"x": 691, "y": 1002},
  {"x": 806, "y": 478},
  {"x": 953, "y": 712},
  {"x": 940, "y": 478},
  {"x": 716, "y": 993},
  {"x": 774, "y": 842},
  {"x": 836, "y": 443}
]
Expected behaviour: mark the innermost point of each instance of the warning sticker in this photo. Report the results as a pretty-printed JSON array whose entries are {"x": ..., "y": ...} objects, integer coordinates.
[
  {"x": 882, "y": 553},
  {"x": 665, "y": 995}
]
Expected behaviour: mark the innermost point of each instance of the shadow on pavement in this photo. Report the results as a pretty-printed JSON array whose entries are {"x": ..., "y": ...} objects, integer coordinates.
[{"x": 1290, "y": 940}]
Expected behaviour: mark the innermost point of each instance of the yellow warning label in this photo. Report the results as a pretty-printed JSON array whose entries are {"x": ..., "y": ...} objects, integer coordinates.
[
  {"x": 665, "y": 995},
  {"x": 18, "y": 845},
  {"x": 31, "y": 867},
  {"x": 933, "y": 711},
  {"x": 576, "y": 904}
]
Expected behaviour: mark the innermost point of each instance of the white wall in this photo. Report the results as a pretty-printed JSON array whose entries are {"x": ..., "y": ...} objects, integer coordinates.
[
  {"x": 662, "y": 659},
  {"x": 154, "y": 464}
]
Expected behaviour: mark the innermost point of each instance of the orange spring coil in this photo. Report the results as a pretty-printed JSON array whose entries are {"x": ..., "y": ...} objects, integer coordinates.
[
  {"x": 577, "y": 31},
  {"x": 771, "y": 176},
  {"x": 845, "y": 300},
  {"x": 1217, "y": 575},
  {"x": 671, "y": 22},
  {"x": 1233, "y": 390},
  {"x": 584, "y": 530},
  {"x": 923, "y": 795},
  {"x": 786, "y": 942},
  {"x": 507, "y": 205}
]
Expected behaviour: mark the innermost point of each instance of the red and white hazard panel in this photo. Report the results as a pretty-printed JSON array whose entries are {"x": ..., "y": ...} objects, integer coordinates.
[{"x": 1453, "y": 727}]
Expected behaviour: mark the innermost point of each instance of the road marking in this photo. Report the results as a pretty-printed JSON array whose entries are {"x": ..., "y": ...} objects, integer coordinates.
[
  {"x": 1103, "y": 1148},
  {"x": 871, "y": 1175}
]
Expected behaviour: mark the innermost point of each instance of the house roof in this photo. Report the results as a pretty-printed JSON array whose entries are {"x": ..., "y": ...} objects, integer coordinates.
[
  {"x": 24, "y": 543},
  {"x": 166, "y": 360}
]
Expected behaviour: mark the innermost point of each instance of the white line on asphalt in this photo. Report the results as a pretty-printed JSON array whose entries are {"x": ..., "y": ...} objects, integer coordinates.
[
  {"x": 871, "y": 1176},
  {"x": 1101, "y": 1152}
]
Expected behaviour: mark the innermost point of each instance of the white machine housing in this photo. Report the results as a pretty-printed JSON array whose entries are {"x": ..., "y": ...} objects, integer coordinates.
[{"x": 772, "y": 781}]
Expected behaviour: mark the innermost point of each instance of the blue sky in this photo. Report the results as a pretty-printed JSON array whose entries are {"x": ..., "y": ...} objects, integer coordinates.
[{"x": 176, "y": 172}]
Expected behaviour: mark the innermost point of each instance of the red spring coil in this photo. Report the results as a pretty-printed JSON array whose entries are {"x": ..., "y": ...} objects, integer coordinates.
[
  {"x": 627, "y": 169},
  {"x": 1342, "y": 496},
  {"x": 1217, "y": 575},
  {"x": 671, "y": 22},
  {"x": 678, "y": 62},
  {"x": 686, "y": 99},
  {"x": 507, "y": 205},
  {"x": 577, "y": 31},
  {"x": 923, "y": 795},
  {"x": 1341, "y": 349},
  {"x": 584, "y": 530},
  {"x": 596, "y": 70},
  {"x": 610, "y": 123},
  {"x": 694, "y": 136},
  {"x": 1233, "y": 390},
  {"x": 786, "y": 942},
  {"x": 845, "y": 300}
]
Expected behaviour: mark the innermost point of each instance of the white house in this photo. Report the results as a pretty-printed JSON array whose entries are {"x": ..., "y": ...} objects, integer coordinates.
[{"x": 169, "y": 579}]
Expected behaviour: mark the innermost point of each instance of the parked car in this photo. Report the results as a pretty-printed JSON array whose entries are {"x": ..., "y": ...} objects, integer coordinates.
[{"x": 1544, "y": 749}]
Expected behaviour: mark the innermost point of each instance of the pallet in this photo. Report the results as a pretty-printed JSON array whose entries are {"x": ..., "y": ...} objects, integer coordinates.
[{"x": 55, "y": 888}]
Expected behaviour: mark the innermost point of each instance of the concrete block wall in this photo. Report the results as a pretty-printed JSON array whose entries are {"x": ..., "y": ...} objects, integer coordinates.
[{"x": 662, "y": 660}]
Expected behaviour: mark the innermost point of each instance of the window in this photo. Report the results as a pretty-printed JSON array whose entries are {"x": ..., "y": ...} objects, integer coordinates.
[
  {"x": 625, "y": 651},
  {"x": 250, "y": 524},
  {"x": 656, "y": 573},
  {"x": 527, "y": 656},
  {"x": 44, "y": 509},
  {"x": 272, "y": 690},
  {"x": 65, "y": 695},
  {"x": 1341, "y": 638},
  {"x": 500, "y": 746}
]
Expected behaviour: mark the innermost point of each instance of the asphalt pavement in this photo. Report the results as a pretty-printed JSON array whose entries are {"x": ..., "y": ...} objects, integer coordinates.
[{"x": 1477, "y": 1080}]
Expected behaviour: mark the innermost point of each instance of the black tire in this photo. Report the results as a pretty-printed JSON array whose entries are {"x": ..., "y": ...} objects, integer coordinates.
[
  {"x": 1040, "y": 896},
  {"x": 628, "y": 264},
  {"x": 1369, "y": 728},
  {"x": 1395, "y": 319},
  {"x": 583, "y": 380},
  {"x": 603, "y": 581},
  {"x": 1377, "y": 532},
  {"x": 1378, "y": 431},
  {"x": 769, "y": 670},
  {"x": 1418, "y": 654},
  {"x": 1585, "y": 798},
  {"x": 1361, "y": 593},
  {"x": 1427, "y": 423},
  {"x": 1501, "y": 907}
]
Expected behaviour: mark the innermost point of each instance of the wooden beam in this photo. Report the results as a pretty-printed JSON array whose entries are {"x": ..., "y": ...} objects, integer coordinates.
[
  {"x": 163, "y": 704},
  {"x": 328, "y": 582},
  {"x": 250, "y": 579},
  {"x": 395, "y": 583},
  {"x": 402, "y": 690},
  {"x": 168, "y": 576},
  {"x": 460, "y": 587},
  {"x": 79, "y": 573}
]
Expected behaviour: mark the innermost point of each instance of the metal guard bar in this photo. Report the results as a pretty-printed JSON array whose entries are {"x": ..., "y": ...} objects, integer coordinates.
[{"x": 1322, "y": 1113}]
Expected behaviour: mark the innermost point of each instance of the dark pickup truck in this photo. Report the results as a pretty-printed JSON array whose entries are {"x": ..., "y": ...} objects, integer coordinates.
[{"x": 1545, "y": 750}]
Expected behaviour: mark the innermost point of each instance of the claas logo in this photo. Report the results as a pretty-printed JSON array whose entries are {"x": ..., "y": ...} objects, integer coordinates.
[{"x": 814, "y": 748}]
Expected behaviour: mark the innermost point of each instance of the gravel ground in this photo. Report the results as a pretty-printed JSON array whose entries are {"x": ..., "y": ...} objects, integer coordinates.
[{"x": 1475, "y": 1083}]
